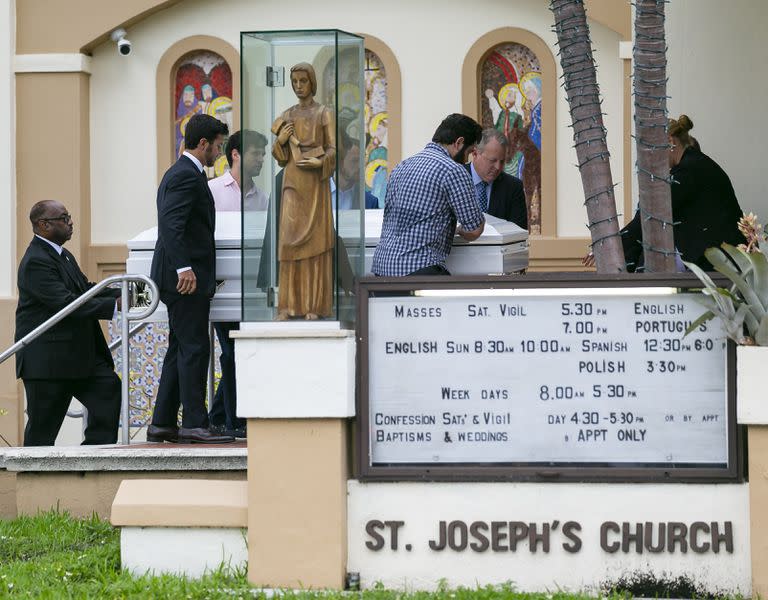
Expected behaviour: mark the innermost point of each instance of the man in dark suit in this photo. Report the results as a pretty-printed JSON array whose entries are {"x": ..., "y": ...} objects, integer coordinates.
[
  {"x": 184, "y": 269},
  {"x": 71, "y": 358},
  {"x": 498, "y": 193}
]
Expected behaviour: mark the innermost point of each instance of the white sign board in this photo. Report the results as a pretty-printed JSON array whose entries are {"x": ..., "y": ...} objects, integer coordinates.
[
  {"x": 561, "y": 376},
  {"x": 543, "y": 537}
]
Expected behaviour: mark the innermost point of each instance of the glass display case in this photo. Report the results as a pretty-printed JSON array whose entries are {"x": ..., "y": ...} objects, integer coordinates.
[{"x": 304, "y": 91}]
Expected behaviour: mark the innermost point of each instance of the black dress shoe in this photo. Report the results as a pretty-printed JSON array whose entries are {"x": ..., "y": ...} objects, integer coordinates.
[
  {"x": 201, "y": 435},
  {"x": 238, "y": 432},
  {"x": 159, "y": 433}
]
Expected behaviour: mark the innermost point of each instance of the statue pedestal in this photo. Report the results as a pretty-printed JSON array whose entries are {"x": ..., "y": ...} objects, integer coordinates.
[{"x": 295, "y": 385}]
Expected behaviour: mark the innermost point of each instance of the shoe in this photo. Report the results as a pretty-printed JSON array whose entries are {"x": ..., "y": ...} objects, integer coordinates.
[
  {"x": 218, "y": 429},
  {"x": 201, "y": 435},
  {"x": 159, "y": 433},
  {"x": 238, "y": 432}
]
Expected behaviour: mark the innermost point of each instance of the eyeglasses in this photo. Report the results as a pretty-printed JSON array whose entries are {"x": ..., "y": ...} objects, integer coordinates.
[{"x": 66, "y": 217}]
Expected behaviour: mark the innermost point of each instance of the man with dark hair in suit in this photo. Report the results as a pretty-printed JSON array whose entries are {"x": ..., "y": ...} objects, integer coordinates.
[
  {"x": 72, "y": 357},
  {"x": 498, "y": 193},
  {"x": 184, "y": 268}
]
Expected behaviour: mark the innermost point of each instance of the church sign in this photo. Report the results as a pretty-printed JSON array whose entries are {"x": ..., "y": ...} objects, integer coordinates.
[
  {"x": 543, "y": 377},
  {"x": 542, "y": 536}
]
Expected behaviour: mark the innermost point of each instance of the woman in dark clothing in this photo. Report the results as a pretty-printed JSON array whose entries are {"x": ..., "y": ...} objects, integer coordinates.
[{"x": 704, "y": 206}]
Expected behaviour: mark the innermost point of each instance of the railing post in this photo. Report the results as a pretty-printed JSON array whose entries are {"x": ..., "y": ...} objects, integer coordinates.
[{"x": 126, "y": 354}]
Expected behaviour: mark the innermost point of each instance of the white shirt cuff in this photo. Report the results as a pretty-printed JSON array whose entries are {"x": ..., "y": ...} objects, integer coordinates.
[{"x": 178, "y": 271}]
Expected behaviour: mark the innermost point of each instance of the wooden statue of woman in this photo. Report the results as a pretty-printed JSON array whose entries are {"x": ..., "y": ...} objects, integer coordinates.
[{"x": 306, "y": 149}]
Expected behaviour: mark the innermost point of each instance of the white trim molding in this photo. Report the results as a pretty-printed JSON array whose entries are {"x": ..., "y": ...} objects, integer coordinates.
[
  {"x": 52, "y": 63},
  {"x": 625, "y": 50},
  {"x": 751, "y": 403},
  {"x": 324, "y": 388}
]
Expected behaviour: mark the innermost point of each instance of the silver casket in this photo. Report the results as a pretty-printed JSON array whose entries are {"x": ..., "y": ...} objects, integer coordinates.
[{"x": 501, "y": 249}]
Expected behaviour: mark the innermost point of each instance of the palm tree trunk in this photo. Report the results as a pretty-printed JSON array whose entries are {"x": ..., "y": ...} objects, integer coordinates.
[
  {"x": 650, "y": 83},
  {"x": 583, "y": 93}
]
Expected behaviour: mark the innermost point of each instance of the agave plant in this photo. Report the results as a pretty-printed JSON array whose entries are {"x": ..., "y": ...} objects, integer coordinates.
[{"x": 745, "y": 304}]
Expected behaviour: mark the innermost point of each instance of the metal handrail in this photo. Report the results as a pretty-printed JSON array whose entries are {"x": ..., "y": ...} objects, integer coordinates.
[{"x": 127, "y": 315}]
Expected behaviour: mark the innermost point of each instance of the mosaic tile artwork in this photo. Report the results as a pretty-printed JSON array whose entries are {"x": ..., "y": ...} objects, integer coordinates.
[
  {"x": 147, "y": 348},
  {"x": 203, "y": 86},
  {"x": 376, "y": 117},
  {"x": 376, "y": 127},
  {"x": 510, "y": 83}
]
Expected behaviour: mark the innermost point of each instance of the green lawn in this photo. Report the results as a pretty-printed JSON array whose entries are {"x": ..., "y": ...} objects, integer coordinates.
[{"x": 56, "y": 556}]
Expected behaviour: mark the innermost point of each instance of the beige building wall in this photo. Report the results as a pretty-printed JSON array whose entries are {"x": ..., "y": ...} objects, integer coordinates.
[
  {"x": 7, "y": 154},
  {"x": 571, "y": 213},
  {"x": 706, "y": 78},
  {"x": 123, "y": 90},
  {"x": 297, "y": 502},
  {"x": 84, "y": 493},
  {"x": 757, "y": 441},
  {"x": 717, "y": 76},
  {"x": 9, "y": 391},
  {"x": 47, "y": 169}
]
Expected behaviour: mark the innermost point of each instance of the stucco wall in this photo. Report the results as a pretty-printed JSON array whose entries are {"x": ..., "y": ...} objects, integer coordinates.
[
  {"x": 7, "y": 170},
  {"x": 9, "y": 402},
  {"x": 123, "y": 130},
  {"x": 717, "y": 63},
  {"x": 571, "y": 214},
  {"x": 82, "y": 494},
  {"x": 715, "y": 52}
]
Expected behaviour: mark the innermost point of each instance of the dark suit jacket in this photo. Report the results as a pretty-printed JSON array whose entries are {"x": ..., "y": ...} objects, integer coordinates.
[
  {"x": 371, "y": 201},
  {"x": 70, "y": 349},
  {"x": 508, "y": 199},
  {"x": 186, "y": 220},
  {"x": 704, "y": 208}
]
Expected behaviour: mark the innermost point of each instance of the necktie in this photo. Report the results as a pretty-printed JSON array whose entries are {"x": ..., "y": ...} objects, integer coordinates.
[
  {"x": 72, "y": 270},
  {"x": 482, "y": 194}
]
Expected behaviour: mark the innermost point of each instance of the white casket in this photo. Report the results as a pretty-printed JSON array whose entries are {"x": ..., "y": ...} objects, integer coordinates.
[{"x": 502, "y": 249}]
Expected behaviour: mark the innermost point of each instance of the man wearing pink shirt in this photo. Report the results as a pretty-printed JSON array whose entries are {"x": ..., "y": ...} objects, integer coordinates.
[
  {"x": 245, "y": 155},
  {"x": 243, "y": 167}
]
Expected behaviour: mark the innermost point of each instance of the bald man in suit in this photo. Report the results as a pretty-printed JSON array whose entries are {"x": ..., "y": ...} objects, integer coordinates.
[{"x": 71, "y": 359}]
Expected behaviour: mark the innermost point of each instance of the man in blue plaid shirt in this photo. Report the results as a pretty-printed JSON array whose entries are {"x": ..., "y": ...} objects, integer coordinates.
[{"x": 426, "y": 194}]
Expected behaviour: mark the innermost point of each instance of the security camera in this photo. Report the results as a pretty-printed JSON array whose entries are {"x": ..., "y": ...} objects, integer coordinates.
[{"x": 123, "y": 45}]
